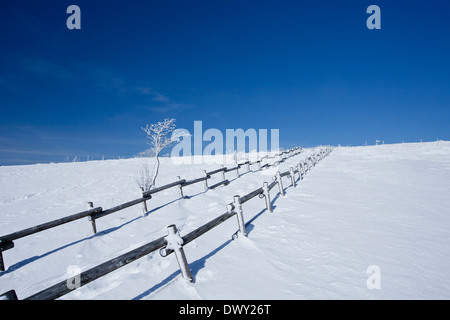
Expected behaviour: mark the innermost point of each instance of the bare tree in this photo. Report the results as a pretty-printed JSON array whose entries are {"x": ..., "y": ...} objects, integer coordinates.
[
  {"x": 159, "y": 137},
  {"x": 144, "y": 180}
]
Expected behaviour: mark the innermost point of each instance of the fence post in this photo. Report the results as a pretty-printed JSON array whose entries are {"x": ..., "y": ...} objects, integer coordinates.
[
  {"x": 90, "y": 205},
  {"x": 223, "y": 173},
  {"x": 299, "y": 169},
  {"x": 144, "y": 203},
  {"x": 267, "y": 196},
  {"x": 280, "y": 183},
  {"x": 180, "y": 189},
  {"x": 3, "y": 247},
  {"x": 206, "y": 180},
  {"x": 175, "y": 243},
  {"x": 240, "y": 215},
  {"x": 291, "y": 173},
  {"x": 10, "y": 295}
]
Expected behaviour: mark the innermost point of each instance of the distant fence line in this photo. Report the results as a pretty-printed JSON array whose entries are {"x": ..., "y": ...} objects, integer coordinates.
[
  {"x": 6, "y": 241},
  {"x": 173, "y": 242}
]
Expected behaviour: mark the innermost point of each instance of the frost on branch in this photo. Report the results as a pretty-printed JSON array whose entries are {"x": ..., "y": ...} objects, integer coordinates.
[{"x": 160, "y": 136}]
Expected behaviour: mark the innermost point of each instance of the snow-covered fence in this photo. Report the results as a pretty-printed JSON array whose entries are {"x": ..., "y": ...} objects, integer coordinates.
[
  {"x": 93, "y": 214},
  {"x": 173, "y": 242},
  {"x": 66, "y": 286},
  {"x": 6, "y": 242}
]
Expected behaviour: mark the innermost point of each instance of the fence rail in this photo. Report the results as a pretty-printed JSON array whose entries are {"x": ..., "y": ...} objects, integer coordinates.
[
  {"x": 167, "y": 186},
  {"x": 66, "y": 286},
  {"x": 164, "y": 244},
  {"x": 48, "y": 225}
]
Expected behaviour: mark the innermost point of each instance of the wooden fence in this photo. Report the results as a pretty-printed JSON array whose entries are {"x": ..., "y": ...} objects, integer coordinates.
[
  {"x": 93, "y": 214},
  {"x": 173, "y": 242}
]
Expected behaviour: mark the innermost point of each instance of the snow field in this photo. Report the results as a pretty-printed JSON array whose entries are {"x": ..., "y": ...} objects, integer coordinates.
[
  {"x": 386, "y": 206},
  {"x": 73, "y": 184}
]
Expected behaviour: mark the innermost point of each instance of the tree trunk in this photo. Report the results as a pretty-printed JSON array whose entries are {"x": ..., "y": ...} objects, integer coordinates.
[{"x": 155, "y": 174}]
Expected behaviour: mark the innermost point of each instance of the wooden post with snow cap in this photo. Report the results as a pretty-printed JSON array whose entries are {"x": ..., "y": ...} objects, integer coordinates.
[
  {"x": 206, "y": 180},
  {"x": 280, "y": 183},
  {"x": 223, "y": 172},
  {"x": 240, "y": 215},
  {"x": 299, "y": 169},
  {"x": 90, "y": 205},
  {"x": 266, "y": 193},
  {"x": 180, "y": 189},
  {"x": 291, "y": 173},
  {"x": 144, "y": 204},
  {"x": 236, "y": 163},
  {"x": 175, "y": 242}
]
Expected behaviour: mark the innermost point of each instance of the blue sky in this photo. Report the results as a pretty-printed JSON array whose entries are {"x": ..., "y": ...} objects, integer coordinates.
[{"x": 311, "y": 69}]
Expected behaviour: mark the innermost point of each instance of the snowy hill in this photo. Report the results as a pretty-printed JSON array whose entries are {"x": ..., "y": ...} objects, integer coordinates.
[{"x": 384, "y": 206}]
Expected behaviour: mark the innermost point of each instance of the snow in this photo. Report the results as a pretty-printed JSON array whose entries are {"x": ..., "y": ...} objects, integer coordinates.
[{"x": 386, "y": 206}]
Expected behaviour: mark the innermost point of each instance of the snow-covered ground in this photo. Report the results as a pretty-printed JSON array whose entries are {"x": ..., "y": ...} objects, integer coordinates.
[{"x": 386, "y": 206}]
